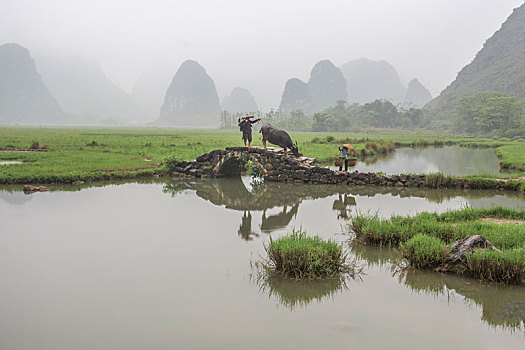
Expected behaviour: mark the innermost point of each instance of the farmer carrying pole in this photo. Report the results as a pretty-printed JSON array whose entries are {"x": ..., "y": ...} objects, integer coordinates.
[
  {"x": 245, "y": 125},
  {"x": 345, "y": 150}
]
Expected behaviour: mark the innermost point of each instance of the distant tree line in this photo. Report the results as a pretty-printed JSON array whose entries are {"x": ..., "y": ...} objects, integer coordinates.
[
  {"x": 492, "y": 114},
  {"x": 354, "y": 117},
  {"x": 485, "y": 114}
]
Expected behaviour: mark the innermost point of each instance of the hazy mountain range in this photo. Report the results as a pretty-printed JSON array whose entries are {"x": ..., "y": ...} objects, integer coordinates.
[
  {"x": 57, "y": 89},
  {"x": 325, "y": 86},
  {"x": 24, "y": 98}
]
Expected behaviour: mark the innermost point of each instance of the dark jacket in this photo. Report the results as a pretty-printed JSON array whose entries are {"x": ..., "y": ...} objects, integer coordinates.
[{"x": 245, "y": 125}]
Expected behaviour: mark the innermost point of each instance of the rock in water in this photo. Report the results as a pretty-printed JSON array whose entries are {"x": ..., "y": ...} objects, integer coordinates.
[
  {"x": 456, "y": 262},
  {"x": 191, "y": 99},
  {"x": 28, "y": 189},
  {"x": 23, "y": 95},
  {"x": 296, "y": 97},
  {"x": 369, "y": 80},
  {"x": 417, "y": 95},
  {"x": 326, "y": 85},
  {"x": 239, "y": 101}
]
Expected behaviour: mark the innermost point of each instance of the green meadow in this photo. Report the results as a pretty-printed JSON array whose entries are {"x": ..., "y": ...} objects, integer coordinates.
[{"x": 96, "y": 153}]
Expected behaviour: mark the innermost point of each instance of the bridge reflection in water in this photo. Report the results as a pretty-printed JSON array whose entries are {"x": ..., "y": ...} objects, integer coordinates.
[
  {"x": 276, "y": 204},
  {"x": 264, "y": 198}
]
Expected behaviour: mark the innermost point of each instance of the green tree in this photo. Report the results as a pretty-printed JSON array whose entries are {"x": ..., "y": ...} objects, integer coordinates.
[{"x": 490, "y": 112}]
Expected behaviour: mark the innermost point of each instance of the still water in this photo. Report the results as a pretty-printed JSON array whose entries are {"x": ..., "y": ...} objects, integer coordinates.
[
  {"x": 454, "y": 160},
  {"x": 167, "y": 266}
]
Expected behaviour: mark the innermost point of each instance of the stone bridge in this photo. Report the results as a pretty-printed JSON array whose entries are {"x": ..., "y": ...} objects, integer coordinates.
[
  {"x": 278, "y": 166},
  {"x": 230, "y": 162},
  {"x": 275, "y": 165}
]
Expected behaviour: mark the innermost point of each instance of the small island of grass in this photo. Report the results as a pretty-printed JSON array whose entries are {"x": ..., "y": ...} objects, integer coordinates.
[
  {"x": 429, "y": 240},
  {"x": 299, "y": 256}
]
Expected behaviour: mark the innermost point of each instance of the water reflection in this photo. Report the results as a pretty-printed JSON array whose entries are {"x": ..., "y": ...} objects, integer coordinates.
[
  {"x": 452, "y": 160},
  {"x": 374, "y": 255},
  {"x": 501, "y": 306},
  {"x": 273, "y": 206},
  {"x": 342, "y": 205},
  {"x": 93, "y": 259},
  {"x": 273, "y": 222},
  {"x": 294, "y": 294},
  {"x": 245, "y": 229}
]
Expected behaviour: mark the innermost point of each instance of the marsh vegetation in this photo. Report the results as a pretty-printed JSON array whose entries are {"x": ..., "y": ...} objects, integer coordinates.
[
  {"x": 300, "y": 256},
  {"x": 424, "y": 239}
]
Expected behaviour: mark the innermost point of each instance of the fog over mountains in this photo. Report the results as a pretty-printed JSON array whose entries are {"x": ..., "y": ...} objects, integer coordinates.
[
  {"x": 370, "y": 80},
  {"x": 85, "y": 93},
  {"x": 191, "y": 99},
  {"x": 58, "y": 88},
  {"x": 149, "y": 92},
  {"x": 499, "y": 66},
  {"x": 416, "y": 94},
  {"x": 239, "y": 101},
  {"x": 23, "y": 95},
  {"x": 325, "y": 86},
  {"x": 72, "y": 90}
]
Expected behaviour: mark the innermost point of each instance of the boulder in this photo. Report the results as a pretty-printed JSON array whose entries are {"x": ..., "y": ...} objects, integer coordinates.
[{"x": 456, "y": 262}]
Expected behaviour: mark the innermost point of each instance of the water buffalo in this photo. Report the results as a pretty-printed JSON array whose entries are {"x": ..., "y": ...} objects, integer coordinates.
[{"x": 278, "y": 137}]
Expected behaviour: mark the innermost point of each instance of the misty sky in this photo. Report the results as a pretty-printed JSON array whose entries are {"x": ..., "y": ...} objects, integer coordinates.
[{"x": 258, "y": 44}]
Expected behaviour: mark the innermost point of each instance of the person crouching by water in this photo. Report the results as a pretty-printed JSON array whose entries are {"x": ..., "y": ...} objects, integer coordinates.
[
  {"x": 345, "y": 150},
  {"x": 245, "y": 125}
]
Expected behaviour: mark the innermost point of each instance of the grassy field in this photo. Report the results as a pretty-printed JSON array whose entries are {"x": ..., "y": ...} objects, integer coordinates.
[
  {"x": 94, "y": 153},
  {"x": 423, "y": 239}
]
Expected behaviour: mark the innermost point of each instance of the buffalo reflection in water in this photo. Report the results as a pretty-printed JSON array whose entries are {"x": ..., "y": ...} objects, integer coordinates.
[{"x": 232, "y": 193}]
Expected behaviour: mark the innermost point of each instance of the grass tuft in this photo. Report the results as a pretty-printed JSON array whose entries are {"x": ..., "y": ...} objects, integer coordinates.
[
  {"x": 424, "y": 252},
  {"x": 306, "y": 257}
]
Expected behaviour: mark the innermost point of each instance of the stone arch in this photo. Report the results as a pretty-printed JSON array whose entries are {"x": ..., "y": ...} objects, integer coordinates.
[{"x": 230, "y": 164}]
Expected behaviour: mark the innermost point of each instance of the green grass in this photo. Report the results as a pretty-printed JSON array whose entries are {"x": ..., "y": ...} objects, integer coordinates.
[
  {"x": 82, "y": 150},
  {"x": 300, "y": 256},
  {"x": 424, "y": 252},
  {"x": 500, "y": 267},
  {"x": 422, "y": 239},
  {"x": 512, "y": 155},
  {"x": 448, "y": 227}
]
